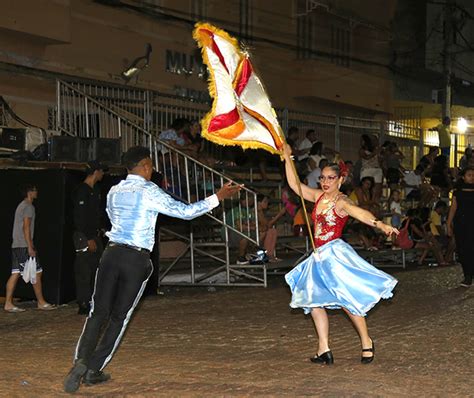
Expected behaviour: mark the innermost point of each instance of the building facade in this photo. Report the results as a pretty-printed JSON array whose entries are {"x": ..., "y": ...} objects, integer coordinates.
[{"x": 327, "y": 56}]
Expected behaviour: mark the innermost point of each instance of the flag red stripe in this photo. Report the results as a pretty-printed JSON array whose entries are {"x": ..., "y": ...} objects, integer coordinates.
[
  {"x": 245, "y": 73},
  {"x": 216, "y": 49},
  {"x": 224, "y": 120}
]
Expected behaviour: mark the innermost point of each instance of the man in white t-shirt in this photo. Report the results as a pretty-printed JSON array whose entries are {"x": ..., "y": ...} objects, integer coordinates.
[{"x": 305, "y": 145}]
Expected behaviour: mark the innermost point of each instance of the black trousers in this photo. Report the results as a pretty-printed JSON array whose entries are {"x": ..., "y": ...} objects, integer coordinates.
[
  {"x": 464, "y": 236},
  {"x": 85, "y": 267},
  {"x": 120, "y": 280}
]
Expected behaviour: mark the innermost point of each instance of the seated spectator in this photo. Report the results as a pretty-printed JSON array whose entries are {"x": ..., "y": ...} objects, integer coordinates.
[
  {"x": 266, "y": 227},
  {"x": 300, "y": 228},
  {"x": 395, "y": 208},
  {"x": 363, "y": 195},
  {"x": 176, "y": 135},
  {"x": 412, "y": 181},
  {"x": 420, "y": 239},
  {"x": 315, "y": 156},
  {"x": 313, "y": 177},
  {"x": 305, "y": 145},
  {"x": 292, "y": 137},
  {"x": 242, "y": 218},
  {"x": 349, "y": 179}
]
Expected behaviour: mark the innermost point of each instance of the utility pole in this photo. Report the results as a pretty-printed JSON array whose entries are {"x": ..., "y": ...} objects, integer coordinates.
[{"x": 448, "y": 55}]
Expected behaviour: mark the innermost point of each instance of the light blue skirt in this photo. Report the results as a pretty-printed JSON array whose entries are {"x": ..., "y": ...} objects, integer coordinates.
[{"x": 335, "y": 276}]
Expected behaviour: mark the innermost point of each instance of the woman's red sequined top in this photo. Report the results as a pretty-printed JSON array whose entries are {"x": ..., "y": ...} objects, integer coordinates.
[{"x": 328, "y": 225}]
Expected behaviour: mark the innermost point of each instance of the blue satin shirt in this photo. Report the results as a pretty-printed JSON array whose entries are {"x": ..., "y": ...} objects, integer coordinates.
[{"x": 134, "y": 204}]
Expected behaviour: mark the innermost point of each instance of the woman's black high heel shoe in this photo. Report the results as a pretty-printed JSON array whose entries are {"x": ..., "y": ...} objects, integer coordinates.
[
  {"x": 366, "y": 360},
  {"x": 325, "y": 358}
]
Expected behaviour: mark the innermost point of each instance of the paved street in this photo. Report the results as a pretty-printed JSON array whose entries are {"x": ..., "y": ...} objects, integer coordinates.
[{"x": 246, "y": 342}]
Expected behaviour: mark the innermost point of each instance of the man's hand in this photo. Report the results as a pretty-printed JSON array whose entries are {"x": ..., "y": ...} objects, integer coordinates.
[
  {"x": 31, "y": 252},
  {"x": 91, "y": 246},
  {"x": 228, "y": 190}
]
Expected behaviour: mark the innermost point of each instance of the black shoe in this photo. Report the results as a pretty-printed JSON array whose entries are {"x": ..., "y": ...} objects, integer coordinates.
[
  {"x": 325, "y": 358},
  {"x": 84, "y": 309},
  {"x": 366, "y": 360},
  {"x": 95, "y": 377},
  {"x": 73, "y": 378},
  {"x": 466, "y": 283}
]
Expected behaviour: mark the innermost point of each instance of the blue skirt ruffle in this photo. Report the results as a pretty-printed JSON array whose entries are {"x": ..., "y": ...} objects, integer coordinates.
[{"x": 335, "y": 276}]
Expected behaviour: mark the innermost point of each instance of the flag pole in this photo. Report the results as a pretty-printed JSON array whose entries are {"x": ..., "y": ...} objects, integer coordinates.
[{"x": 300, "y": 193}]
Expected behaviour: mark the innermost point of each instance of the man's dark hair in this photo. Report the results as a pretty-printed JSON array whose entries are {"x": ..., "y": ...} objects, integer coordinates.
[
  {"x": 134, "y": 155},
  {"x": 309, "y": 132},
  {"x": 25, "y": 188},
  {"x": 440, "y": 204},
  {"x": 179, "y": 123}
]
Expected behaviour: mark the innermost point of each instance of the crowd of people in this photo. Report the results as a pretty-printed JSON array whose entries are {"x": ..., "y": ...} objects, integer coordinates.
[{"x": 416, "y": 201}]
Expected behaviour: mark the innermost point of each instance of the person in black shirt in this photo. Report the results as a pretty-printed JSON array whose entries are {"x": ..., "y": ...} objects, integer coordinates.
[
  {"x": 461, "y": 223},
  {"x": 86, "y": 202}
]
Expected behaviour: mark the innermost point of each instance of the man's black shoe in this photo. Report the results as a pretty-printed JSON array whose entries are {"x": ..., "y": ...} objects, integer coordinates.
[
  {"x": 83, "y": 309},
  {"x": 73, "y": 378},
  {"x": 95, "y": 377}
]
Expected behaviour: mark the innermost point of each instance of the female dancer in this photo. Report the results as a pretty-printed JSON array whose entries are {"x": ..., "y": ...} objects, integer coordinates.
[
  {"x": 334, "y": 276},
  {"x": 461, "y": 222}
]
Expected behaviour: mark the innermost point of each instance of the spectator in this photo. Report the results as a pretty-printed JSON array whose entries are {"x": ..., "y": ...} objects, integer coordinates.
[
  {"x": 87, "y": 239},
  {"x": 304, "y": 147},
  {"x": 395, "y": 208},
  {"x": 349, "y": 180},
  {"x": 176, "y": 135},
  {"x": 467, "y": 159},
  {"x": 461, "y": 222},
  {"x": 393, "y": 165},
  {"x": 438, "y": 231},
  {"x": 427, "y": 161},
  {"x": 369, "y": 155},
  {"x": 444, "y": 135},
  {"x": 315, "y": 155},
  {"x": 412, "y": 183},
  {"x": 22, "y": 249},
  {"x": 363, "y": 195},
  {"x": 441, "y": 176},
  {"x": 421, "y": 240},
  {"x": 241, "y": 218},
  {"x": 266, "y": 226},
  {"x": 293, "y": 135},
  {"x": 312, "y": 178}
]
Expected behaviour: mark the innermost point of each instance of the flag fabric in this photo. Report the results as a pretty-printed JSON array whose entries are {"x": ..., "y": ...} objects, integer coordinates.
[{"x": 241, "y": 111}]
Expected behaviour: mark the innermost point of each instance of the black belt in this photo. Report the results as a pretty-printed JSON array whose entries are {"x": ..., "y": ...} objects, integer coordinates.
[{"x": 138, "y": 249}]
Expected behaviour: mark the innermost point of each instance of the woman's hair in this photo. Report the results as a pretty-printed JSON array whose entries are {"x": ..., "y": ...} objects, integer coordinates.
[
  {"x": 334, "y": 167},
  {"x": 468, "y": 168},
  {"x": 367, "y": 143}
]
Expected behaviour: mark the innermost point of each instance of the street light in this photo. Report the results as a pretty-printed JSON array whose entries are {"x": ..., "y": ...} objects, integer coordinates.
[{"x": 462, "y": 125}]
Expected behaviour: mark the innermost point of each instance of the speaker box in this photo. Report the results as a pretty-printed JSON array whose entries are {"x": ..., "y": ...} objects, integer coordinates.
[
  {"x": 105, "y": 150},
  {"x": 64, "y": 149},
  {"x": 13, "y": 138}
]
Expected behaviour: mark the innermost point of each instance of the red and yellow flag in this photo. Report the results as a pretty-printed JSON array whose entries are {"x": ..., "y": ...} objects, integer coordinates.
[{"x": 241, "y": 112}]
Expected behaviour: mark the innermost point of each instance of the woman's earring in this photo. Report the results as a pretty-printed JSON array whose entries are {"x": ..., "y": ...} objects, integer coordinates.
[{"x": 339, "y": 186}]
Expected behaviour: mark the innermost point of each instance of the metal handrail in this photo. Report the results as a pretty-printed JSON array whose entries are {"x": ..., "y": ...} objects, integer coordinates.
[{"x": 175, "y": 168}]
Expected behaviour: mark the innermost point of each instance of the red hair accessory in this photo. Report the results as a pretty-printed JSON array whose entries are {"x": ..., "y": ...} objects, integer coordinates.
[{"x": 343, "y": 168}]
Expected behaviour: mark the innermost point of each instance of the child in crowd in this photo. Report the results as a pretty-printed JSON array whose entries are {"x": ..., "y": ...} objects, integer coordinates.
[{"x": 395, "y": 209}]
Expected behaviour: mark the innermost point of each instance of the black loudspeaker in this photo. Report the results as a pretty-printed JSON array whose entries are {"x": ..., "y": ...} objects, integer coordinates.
[
  {"x": 64, "y": 149},
  {"x": 105, "y": 150},
  {"x": 13, "y": 138}
]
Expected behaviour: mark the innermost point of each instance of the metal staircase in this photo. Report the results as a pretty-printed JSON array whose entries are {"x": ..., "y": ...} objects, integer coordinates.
[{"x": 114, "y": 112}]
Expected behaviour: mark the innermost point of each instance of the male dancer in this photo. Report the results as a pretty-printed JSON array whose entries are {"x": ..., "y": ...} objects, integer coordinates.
[{"x": 133, "y": 206}]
